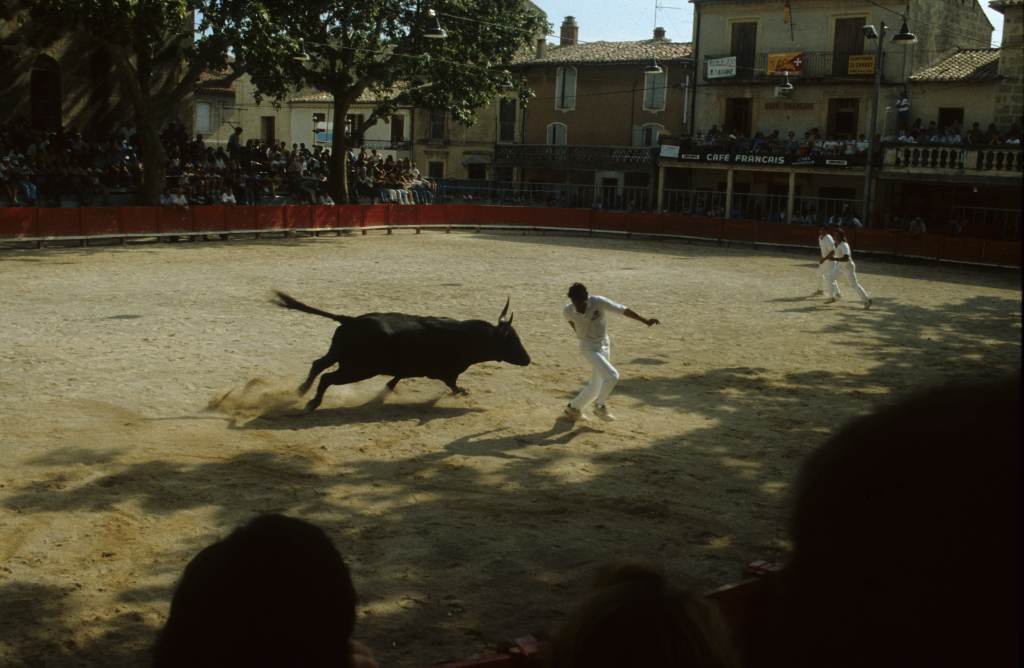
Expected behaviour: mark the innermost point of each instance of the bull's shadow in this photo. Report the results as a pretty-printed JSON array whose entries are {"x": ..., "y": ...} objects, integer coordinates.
[
  {"x": 505, "y": 442},
  {"x": 373, "y": 412}
]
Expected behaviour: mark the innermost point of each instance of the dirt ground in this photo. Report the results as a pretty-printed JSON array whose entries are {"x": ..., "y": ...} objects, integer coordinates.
[{"x": 466, "y": 520}]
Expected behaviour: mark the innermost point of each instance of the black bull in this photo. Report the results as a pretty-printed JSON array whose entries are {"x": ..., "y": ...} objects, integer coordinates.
[{"x": 407, "y": 346}]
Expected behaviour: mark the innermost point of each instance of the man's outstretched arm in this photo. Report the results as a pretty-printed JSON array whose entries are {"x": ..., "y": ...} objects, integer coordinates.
[{"x": 630, "y": 313}]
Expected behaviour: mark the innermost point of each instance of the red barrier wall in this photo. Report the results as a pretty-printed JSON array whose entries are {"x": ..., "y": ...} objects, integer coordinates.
[
  {"x": 60, "y": 222},
  {"x": 174, "y": 219},
  {"x": 30, "y": 223},
  {"x": 209, "y": 218},
  {"x": 19, "y": 222}
]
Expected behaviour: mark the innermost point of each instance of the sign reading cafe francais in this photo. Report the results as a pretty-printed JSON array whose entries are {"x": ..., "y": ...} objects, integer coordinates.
[{"x": 720, "y": 157}]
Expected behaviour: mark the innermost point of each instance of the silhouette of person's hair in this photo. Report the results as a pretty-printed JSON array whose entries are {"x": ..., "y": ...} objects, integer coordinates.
[
  {"x": 275, "y": 592},
  {"x": 906, "y": 539},
  {"x": 577, "y": 292},
  {"x": 636, "y": 618}
]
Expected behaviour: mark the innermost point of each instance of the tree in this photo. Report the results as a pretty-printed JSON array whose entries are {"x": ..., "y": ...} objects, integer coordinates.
[
  {"x": 157, "y": 51},
  {"x": 380, "y": 47}
]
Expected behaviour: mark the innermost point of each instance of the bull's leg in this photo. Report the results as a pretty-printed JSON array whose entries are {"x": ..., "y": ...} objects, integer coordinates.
[
  {"x": 318, "y": 367},
  {"x": 453, "y": 384},
  {"x": 394, "y": 383},
  {"x": 342, "y": 376}
]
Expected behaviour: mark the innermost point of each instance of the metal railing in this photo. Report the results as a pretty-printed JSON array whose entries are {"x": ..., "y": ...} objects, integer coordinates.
[
  {"x": 989, "y": 160},
  {"x": 769, "y": 208},
  {"x": 987, "y": 222},
  {"x": 543, "y": 154},
  {"x": 812, "y": 64},
  {"x": 616, "y": 198}
]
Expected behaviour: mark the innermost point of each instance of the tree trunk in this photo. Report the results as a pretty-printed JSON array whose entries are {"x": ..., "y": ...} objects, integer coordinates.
[
  {"x": 154, "y": 163},
  {"x": 338, "y": 184}
]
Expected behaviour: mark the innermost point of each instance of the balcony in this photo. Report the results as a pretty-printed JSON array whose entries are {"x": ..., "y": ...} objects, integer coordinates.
[
  {"x": 974, "y": 162},
  {"x": 579, "y": 157},
  {"x": 808, "y": 65}
]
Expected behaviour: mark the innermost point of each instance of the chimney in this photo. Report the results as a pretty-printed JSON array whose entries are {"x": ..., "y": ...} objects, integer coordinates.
[
  {"x": 659, "y": 33},
  {"x": 570, "y": 31},
  {"x": 542, "y": 45}
]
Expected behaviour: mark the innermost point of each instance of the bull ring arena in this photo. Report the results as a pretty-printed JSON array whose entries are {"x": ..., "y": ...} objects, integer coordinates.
[{"x": 147, "y": 405}]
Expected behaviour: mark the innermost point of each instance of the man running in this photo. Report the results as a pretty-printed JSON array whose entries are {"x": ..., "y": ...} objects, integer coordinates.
[
  {"x": 844, "y": 258},
  {"x": 587, "y": 317},
  {"x": 826, "y": 266}
]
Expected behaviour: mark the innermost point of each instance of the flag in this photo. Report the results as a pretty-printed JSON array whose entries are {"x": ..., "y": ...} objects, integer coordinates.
[
  {"x": 787, "y": 13},
  {"x": 780, "y": 63}
]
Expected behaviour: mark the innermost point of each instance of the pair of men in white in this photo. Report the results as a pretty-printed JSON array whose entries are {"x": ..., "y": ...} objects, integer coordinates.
[
  {"x": 834, "y": 254},
  {"x": 588, "y": 317}
]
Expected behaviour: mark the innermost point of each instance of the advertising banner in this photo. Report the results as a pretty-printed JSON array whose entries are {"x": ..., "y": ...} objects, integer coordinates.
[
  {"x": 780, "y": 63},
  {"x": 721, "y": 68},
  {"x": 861, "y": 65}
]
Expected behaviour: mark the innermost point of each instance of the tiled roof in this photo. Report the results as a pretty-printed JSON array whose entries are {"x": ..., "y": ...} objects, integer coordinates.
[
  {"x": 613, "y": 52},
  {"x": 999, "y": 4},
  {"x": 367, "y": 97},
  {"x": 964, "y": 65},
  {"x": 221, "y": 81}
]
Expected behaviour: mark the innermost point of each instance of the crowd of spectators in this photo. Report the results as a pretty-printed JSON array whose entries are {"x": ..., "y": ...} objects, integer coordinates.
[
  {"x": 56, "y": 168},
  {"x": 954, "y": 134},
  {"x": 904, "y": 553},
  {"x": 813, "y": 143}
]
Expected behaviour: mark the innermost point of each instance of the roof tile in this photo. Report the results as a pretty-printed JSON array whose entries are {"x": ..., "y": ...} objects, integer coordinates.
[
  {"x": 964, "y": 65},
  {"x": 613, "y": 52}
]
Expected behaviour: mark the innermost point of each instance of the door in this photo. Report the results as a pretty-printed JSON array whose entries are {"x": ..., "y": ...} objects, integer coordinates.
[
  {"x": 738, "y": 115},
  {"x": 267, "y": 135},
  {"x": 849, "y": 41},
  {"x": 744, "y": 47},
  {"x": 507, "y": 120},
  {"x": 608, "y": 189},
  {"x": 843, "y": 118}
]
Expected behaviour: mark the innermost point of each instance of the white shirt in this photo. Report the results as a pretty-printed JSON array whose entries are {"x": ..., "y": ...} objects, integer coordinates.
[
  {"x": 843, "y": 250},
  {"x": 827, "y": 244},
  {"x": 592, "y": 325}
]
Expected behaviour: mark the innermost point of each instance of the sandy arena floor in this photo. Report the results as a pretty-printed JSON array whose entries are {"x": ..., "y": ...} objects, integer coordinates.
[{"x": 466, "y": 520}]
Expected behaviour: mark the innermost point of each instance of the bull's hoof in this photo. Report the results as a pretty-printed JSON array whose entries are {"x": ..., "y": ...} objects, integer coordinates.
[
  {"x": 460, "y": 391},
  {"x": 312, "y": 406},
  {"x": 302, "y": 389}
]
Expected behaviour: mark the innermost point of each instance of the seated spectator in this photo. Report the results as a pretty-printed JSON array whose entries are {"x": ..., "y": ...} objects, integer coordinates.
[
  {"x": 906, "y": 541},
  {"x": 227, "y": 197},
  {"x": 917, "y": 226},
  {"x": 636, "y": 618},
  {"x": 275, "y": 592}
]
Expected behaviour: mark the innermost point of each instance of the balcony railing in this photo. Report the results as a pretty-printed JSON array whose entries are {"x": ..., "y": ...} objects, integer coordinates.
[
  {"x": 811, "y": 65},
  {"x": 974, "y": 160},
  {"x": 540, "y": 155}
]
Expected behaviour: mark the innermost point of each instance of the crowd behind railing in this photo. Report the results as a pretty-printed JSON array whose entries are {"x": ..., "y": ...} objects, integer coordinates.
[{"x": 56, "y": 168}]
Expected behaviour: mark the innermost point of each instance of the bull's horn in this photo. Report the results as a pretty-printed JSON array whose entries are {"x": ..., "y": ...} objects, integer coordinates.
[
  {"x": 510, "y": 316},
  {"x": 504, "y": 310}
]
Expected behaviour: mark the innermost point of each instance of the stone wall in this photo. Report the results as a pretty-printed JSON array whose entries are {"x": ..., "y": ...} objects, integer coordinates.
[{"x": 1009, "y": 97}]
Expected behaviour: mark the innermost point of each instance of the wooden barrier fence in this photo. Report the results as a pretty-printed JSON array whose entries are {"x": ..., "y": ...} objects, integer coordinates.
[{"x": 40, "y": 225}]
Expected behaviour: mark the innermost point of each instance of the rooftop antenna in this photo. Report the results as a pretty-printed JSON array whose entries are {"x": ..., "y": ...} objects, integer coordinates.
[{"x": 659, "y": 7}]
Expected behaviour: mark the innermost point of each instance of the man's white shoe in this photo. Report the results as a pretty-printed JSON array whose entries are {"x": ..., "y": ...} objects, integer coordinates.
[
  {"x": 573, "y": 414},
  {"x": 603, "y": 413}
]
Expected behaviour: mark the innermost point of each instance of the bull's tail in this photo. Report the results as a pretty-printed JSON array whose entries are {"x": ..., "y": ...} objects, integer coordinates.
[{"x": 288, "y": 301}]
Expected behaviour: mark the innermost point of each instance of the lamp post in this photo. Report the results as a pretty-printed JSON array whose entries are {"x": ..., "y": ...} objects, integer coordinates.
[{"x": 903, "y": 37}]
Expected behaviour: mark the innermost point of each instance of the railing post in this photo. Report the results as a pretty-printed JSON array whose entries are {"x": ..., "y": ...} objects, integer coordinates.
[
  {"x": 661, "y": 189},
  {"x": 790, "y": 196},
  {"x": 728, "y": 193}
]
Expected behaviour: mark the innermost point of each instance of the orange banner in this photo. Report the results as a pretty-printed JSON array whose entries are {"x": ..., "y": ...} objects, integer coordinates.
[{"x": 780, "y": 63}]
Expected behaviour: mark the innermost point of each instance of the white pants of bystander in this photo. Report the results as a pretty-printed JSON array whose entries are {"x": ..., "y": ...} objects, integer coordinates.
[{"x": 602, "y": 380}]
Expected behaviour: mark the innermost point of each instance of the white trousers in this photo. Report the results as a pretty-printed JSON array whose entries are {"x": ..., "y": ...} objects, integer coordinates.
[
  {"x": 826, "y": 278},
  {"x": 850, "y": 270},
  {"x": 602, "y": 380}
]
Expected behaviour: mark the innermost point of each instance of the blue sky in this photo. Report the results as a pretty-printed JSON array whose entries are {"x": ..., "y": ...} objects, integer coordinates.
[{"x": 622, "y": 20}]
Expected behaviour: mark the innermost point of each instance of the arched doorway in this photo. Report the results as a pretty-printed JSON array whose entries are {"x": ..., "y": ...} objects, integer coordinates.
[{"x": 46, "y": 94}]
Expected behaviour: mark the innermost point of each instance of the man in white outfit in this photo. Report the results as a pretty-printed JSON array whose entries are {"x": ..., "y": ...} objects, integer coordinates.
[
  {"x": 826, "y": 265},
  {"x": 587, "y": 315},
  {"x": 845, "y": 260}
]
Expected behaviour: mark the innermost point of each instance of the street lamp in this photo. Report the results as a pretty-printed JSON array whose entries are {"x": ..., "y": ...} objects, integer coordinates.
[{"x": 903, "y": 37}]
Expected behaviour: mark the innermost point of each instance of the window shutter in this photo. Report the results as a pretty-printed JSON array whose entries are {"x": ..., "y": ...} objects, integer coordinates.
[
  {"x": 570, "y": 88},
  {"x": 202, "y": 117},
  {"x": 559, "y": 77},
  {"x": 638, "y": 135},
  {"x": 660, "y": 89}
]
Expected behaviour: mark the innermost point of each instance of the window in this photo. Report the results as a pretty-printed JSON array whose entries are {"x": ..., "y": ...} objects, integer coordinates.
[
  {"x": 647, "y": 135},
  {"x": 267, "y": 130},
  {"x": 556, "y": 134},
  {"x": 565, "y": 88},
  {"x": 352, "y": 123},
  {"x": 842, "y": 118},
  {"x": 849, "y": 41},
  {"x": 438, "y": 121},
  {"x": 950, "y": 117},
  {"x": 744, "y": 46},
  {"x": 397, "y": 129},
  {"x": 202, "y": 117},
  {"x": 507, "y": 120},
  {"x": 435, "y": 169},
  {"x": 737, "y": 115},
  {"x": 655, "y": 88},
  {"x": 476, "y": 172}
]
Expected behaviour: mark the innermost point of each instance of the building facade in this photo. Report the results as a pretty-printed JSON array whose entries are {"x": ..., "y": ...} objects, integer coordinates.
[{"x": 599, "y": 113}]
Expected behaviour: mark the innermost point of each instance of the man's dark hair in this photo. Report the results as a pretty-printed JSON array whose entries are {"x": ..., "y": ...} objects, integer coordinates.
[
  {"x": 906, "y": 537},
  {"x": 276, "y": 592},
  {"x": 636, "y": 618},
  {"x": 577, "y": 292}
]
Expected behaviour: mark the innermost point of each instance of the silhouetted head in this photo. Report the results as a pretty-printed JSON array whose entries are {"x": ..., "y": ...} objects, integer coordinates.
[
  {"x": 510, "y": 348},
  {"x": 275, "y": 592},
  {"x": 906, "y": 536},
  {"x": 578, "y": 295},
  {"x": 636, "y": 618},
  {"x": 839, "y": 235}
]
